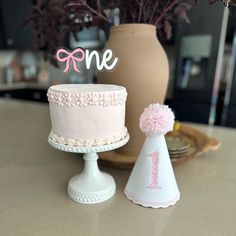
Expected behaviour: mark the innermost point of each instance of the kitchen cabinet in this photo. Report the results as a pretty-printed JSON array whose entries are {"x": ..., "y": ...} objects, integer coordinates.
[{"x": 37, "y": 95}]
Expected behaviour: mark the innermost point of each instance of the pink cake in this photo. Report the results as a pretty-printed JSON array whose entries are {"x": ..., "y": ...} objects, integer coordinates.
[{"x": 86, "y": 115}]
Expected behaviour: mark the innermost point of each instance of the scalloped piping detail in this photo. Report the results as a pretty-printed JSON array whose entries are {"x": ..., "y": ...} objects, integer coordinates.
[
  {"x": 87, "y": 99},
  {"x": 152, "y": 204},
  {"x": 88, "y": 143}
]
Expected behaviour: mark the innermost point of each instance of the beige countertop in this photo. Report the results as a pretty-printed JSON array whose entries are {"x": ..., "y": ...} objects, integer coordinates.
[{"x": 34, "y": 177}]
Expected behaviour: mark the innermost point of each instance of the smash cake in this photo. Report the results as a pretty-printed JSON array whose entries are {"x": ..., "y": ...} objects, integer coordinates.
[{"x": 87, "y": 115}]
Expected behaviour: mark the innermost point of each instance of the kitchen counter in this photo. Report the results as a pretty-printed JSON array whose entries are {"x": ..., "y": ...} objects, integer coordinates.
[{"x": 34, "y": 177}]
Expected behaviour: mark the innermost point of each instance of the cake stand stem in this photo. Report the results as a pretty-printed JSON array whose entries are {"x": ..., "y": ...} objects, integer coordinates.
[
  {"x": 92, "y": 185},
  {"x": 91, "y": 169}
]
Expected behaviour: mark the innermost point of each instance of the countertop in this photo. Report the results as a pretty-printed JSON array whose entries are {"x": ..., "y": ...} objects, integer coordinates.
[{"x": 34, "y": 177}]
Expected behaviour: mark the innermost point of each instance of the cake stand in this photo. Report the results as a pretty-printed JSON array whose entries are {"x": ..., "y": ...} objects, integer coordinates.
[{"x": 91, "y": 186}]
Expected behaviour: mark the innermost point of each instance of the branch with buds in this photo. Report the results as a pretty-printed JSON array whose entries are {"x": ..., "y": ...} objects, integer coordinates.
[{"x": 54, "y": 19}]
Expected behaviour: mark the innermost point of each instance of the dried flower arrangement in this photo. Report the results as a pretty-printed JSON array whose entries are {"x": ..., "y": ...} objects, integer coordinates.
[{"x": 54, "y": 19}]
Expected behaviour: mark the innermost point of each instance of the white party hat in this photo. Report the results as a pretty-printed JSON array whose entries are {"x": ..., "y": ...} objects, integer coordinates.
[{"x": 152, "y": 182}]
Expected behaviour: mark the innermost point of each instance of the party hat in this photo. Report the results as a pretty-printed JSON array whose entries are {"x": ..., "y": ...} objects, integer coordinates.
[{"x": 152, "y": 182}]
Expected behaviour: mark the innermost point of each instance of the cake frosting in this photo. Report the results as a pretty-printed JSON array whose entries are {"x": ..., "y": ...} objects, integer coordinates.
[{"x": 86, "y": 115}]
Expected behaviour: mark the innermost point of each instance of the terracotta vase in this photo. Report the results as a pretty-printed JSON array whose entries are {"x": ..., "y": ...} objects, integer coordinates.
[{"x": 143, "y": 69}]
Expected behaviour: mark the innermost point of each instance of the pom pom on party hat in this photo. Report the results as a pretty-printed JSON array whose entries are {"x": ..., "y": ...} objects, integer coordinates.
[
  {"x": 152, "y": 182},
  {"x": 156, "y": 120}
]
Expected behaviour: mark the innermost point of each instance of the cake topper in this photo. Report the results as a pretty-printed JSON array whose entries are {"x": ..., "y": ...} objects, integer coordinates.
[
  {"x": 80, "y": 55},
  {"x": 152, "y": 182}
]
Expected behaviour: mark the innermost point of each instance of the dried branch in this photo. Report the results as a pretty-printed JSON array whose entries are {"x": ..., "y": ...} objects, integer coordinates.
[
  {"x": 84, "y": 4},
  {"x": 166, "y": 9},
  {"x": 53, "y": 20}
]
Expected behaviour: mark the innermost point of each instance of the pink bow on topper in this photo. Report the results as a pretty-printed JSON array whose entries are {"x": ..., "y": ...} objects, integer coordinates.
[{"x": 70, "y": 56}]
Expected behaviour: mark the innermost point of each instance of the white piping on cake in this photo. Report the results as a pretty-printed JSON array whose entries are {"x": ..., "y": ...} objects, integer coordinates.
[
  {"x": 87, "y": 99},
  {"x": 76, "y": 142}
]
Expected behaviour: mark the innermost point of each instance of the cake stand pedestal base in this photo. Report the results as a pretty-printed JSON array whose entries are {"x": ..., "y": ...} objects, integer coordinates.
[{"x": 92, "y": 185}]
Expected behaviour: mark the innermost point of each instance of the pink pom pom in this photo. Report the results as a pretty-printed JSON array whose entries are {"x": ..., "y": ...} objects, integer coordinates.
[{"x": 156, "y": 120}]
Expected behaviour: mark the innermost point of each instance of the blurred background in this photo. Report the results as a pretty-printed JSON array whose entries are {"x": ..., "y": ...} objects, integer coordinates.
[{"x": 202, "y": 57}]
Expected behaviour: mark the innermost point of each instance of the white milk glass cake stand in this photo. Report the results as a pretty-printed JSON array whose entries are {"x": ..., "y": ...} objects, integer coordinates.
[{"x": 91, "y": 186}]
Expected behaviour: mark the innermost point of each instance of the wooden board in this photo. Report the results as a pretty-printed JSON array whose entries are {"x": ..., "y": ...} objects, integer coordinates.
[{"x": 198, "y": 141}]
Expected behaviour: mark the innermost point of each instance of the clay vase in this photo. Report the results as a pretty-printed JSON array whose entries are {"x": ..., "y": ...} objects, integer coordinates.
[{"x": 143, "y": 69}]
